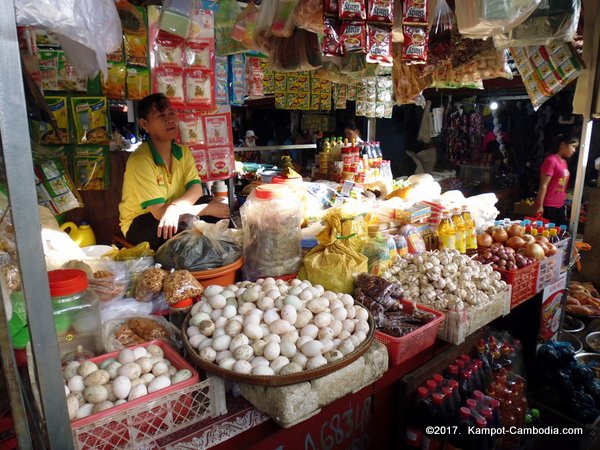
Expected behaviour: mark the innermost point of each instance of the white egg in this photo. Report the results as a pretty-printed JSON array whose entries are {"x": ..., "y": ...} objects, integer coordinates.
[
  {"x": 306, "y": 295},
  {"x": 279, "y": 363},
  {"x": 348, "y": 325},
  {"x": 222, "y": 355},
  {"x": 145, "y": 364},
  {"x": 333, "y": 355},
  {"x": 227, "y": 293},
  {"x": 252, "y": 295},
  {"x": 121, "y": 387},
  {"x": 329, "y": 295},
  {"x": 244, "y": 308},
  {"x": 217, "y": 301},
  {"x": 147, "y": 378},
  {"x": 253, "y": 331},
  {"x": 85, "y": 410},
  {"x": 95, "y": 394},
  {"x": 196, "y": 308},
  {"x": 243, "y": 367},
  {"x": 336, "y": 327},
  {"x": 270, "y": 315},
  {"x": 316, "y": 305},
  {"x": 207, "y": 353},
  {"x": 236, "y": 341},
  {"x": 67, "y": 391},
  {"x": 207, "y": 327},
  {"x": 227, "y": 363},
  {"x": 279, "y": 326},
  {"x": 262, "y": 370},
  {"x": 192, "y": 331},
  {"x": 347, "y": 300},
  {"x": 243, "y": 352},
  {"x": 221, "y": 343},
  {"x": 220, "y": 323},
  {"x": 216, "y": 314},
  {"x": 198, "y": 318},
  {"x": 111, "y": 395},
  {"x": 265, "y": 329},
  {"x": 283, "y": 289},
  {"x": 160, "y": 382},
  {"x": 351, "y": 312},
  {"x": 205, "y": 307},
  {"x": 76, "y": 383},
  {"x": 320, "y": 290},
  {"x": 315, "y": 362},
  {"x": 137, "y": 391},
  {"x": 323, "y": 319},
  {"x": 290, "y": 368},
  {"x": 288, "y": 348},
  {"x": 310, "y": 330},
  {"x": 361, "y": 313},
  {"x": 97, "y": 377},
  {"x": 228, "y": 312},
  {"x": 139, "y": 352},
  {"x": 172, "y": 370},
  {"x": 303, "y": 318},
  {"x": 343, "y": 335},
  {"x": 130, "y": 370},
  {"x": 120, "y": 402},
  {"x": 259, "y": 361},
  {"x": 355, "y": 340},
  {"x": 312, "y": 349},
  {"x": 265, "y": 303},
  {"x": 300, "y": 358},
  {"x": 71, "y": 369},
  {"x": 363, "y": 326},
  {"x": 213, "y": 290},
  {"x": 291, "y": 335},
  {"x": 271, "y": 351},
  {"x": 232, "y": 287},
  {"x": 233, "y": 327},
  {"x": 258, "y": 347},
  {"x": 325, "y": 333},
  {"x": 289, "y": 313},
  {"x": 273, "y": 293},
  {"x": 327, "y": 344},
  {"x": 113, "y": 369},
  {"x": 346, "y": 347},
  {"x": 251, "y": 319},
  {"x": 340, "y": 313},
  {"x": 302, "y": 340},
  {"x": 218, "y": 332},
  {"x": 196, "y": 340},
  {"x": 361, "y": 336},
  {"x": 272, "y": 338},
  {"x": 87, "y": 367}
]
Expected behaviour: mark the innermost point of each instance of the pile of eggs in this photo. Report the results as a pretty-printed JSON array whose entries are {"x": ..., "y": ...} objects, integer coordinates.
[
  {"x": 134, "y": 373},
  {"x": 274, "y": 327}
]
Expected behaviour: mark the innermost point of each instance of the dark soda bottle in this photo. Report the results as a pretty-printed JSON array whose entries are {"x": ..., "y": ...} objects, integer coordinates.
[
  {"x": 450, "y": 404},
  {"x": 432, "y": 441},
  {"x": 439, "y": 380},
  {"x": 466, "y": 384},
  {"x": 481, "y": 441},
  {"x": 487, "y": 414},
  {"x": 453, "y": 372},
  {"x": 431, "y": 386},
  {"x": 418, "y": 419},
  {"x": 453, "y": 384},
  {"x": 460, "y": 439}
]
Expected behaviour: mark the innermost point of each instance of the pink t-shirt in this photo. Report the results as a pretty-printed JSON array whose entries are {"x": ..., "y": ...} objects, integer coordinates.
[{"x": 555, "y": 167}]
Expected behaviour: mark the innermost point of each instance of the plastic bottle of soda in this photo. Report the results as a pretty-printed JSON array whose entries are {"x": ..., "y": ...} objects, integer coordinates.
[
  {"x": 439, "y": 381},
  {"x": 487, "y": 414},
  {"x": 481, "y": 441},
  {"x": 466, "y": 384},
  {"x": 460, "y": 440},
  {"x": 431, "y": 386},
  {"x": 433, "y": 441},
  {"x": 451, "y": 408},
  {"x": 453, "y": 372},
  {"x": 419, "y": 418},
  {"x": 453, "y": 384}
]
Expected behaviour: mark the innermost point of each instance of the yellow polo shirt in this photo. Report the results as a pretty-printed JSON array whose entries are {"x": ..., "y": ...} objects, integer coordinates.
[{"x": 148, "y": 181}]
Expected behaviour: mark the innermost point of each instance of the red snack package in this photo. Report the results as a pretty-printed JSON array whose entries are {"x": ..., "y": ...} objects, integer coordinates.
[
  {"x": 378, "y": 44},
  {"x": 169, "y": 52},
  {"x": 201, "y": 158},
  {"x": 352, "y": 9},
  {"x": 199, "y": 54},
  {"x": 169, "y": 81},
  {"x": 381, "y": 11},
  {"x": 330, "y": 7},
  {"x": 354, "y": 37},
  {"x": 191, "y": 128},
  {"x": 414, "y": 11},
  {"x": 199, "y": 88},
  {"x": 415, "y": 44},
  {"x": 331, "y": 39}
]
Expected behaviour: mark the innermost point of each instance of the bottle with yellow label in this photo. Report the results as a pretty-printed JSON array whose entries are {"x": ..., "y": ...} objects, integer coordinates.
[
  {"x": 459, "y": 227},
  {"x": 470, "y": 232},
  {"x": 446, "y": 233}
]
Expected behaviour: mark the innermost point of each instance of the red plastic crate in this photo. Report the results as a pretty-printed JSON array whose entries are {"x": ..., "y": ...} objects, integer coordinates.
[
  {"x": 126, "y": 425},
  {"x": 403, "y": 348},
  {"x": 523, "y": 282}
]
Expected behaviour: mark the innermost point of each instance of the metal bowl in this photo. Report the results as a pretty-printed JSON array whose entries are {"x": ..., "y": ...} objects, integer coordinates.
[
  {"x": 572, "y": 325},
  {"x": 592, "y": 359},
  {"x": 593, "y": 341},
  {"x": 571, "y": 339}
]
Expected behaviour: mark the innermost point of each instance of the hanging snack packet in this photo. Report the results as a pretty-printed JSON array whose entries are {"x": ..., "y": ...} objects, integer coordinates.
[
  {"x": 169, "y": 81},
  {"x": 414, "y": 49},
  {"x": 415, "y": 11},
  {"x": 169, "y": 52},
  {"x": 331, "y": 40},
  {"x": 381, "y": 11},
  {"x": 136, "y": 49},
  {"x": 90, "y": 119},
  {"x": 379, "y": 45},
  {"x": 191, "y": 129},
  {"x": 201, "y": 159},
  {"x": 243, "y": 30},
  {"x": 198, "y": 88},
  {"x": 352, "y": 10},
  {"x": 308, "y": 14},
  {"x": 283, "y": 25},
  {"x": 114, "y": 84},
  {"x": 199, "y": 54},
  {"x": 138, "y": 83},
  {"x": 354, "y": 37},
  {"x": 330, "y": 7}
]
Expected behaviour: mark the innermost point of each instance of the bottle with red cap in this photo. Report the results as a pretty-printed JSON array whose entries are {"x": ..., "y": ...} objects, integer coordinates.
[
  {"x": 481, "y": 439},
  {"x": 419, "y": 419},
  {"x": 453, "y": 372},
  {"x": 466, "y": 384},
  {"x": 460, "y": 440},
  {"x": 453, "y": 384},
  {"x": 435, "y": 441}
]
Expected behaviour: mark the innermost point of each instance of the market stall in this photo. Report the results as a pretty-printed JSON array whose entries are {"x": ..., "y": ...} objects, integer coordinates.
[{"x": 340, "y": 294}]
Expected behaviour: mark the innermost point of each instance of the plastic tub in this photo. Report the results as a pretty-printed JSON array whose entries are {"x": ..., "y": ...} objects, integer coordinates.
[{"x": 222, "y": 276}]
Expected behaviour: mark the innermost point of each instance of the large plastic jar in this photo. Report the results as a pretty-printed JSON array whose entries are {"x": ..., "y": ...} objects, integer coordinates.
[
  {"x": 271, "y": 219},
  {"x": 76, "y": 312}
]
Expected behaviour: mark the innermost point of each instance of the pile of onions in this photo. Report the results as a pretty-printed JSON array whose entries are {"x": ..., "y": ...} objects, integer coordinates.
[
  {"x": 534, "y": 251},
  {"x": 504, "y": 258}
]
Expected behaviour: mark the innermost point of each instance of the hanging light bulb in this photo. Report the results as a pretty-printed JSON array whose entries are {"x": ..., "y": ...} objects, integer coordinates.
[{"x": 494, "y": 105}]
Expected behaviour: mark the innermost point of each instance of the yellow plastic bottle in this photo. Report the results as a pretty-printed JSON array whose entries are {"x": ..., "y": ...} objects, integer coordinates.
[
  {"x": 470, "y": 232},
  {"x": 446, "y": 233},
  {"x": 459, "y": 227}
]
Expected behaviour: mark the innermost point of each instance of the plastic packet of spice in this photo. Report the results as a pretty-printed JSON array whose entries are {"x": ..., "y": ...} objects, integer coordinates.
[
  {"x": 199, "y": 54},
  {"x": 352, "y": 9},
  {"x": 378, "y": 45},
  {"x": 414, "y": 11},
  {"x": 191, "y": 129},
  {"x": 414, "y": 48},
  {"x": 199, "y": 88},
  {"x": 381, "y": 11},
  {"x": 331, "y": 45},
  {"x": 201, "y": 159},
  {"x": 330, "y": 7},
  {"x": 169, "y": 81},
  {"x": 354, "y": 37},
  {"x": 169, "y": 52}
]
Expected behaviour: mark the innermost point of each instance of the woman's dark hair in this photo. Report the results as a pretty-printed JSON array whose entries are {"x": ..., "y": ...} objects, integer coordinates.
[
  {"x": 350, "y": 126},
  {"x": 567, "y": 138},
  {"x": 159, "y": 102}
]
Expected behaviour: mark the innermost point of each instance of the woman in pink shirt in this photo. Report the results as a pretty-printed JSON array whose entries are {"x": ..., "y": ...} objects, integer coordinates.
[{"x": 554, "y": 177}]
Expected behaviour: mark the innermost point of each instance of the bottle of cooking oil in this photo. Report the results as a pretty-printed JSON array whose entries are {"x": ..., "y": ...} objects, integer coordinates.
[
  {"x": 446, "y": 232},
  {"x": 459, "y": 228},
  {"x": 470, "y": 233}
]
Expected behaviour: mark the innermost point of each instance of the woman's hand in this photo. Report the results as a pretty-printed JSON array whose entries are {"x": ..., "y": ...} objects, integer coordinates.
[
  {"x": 216, "y": 208},
  {"x": 539, "y": 211},
  {"x": 167, "y": 226}
]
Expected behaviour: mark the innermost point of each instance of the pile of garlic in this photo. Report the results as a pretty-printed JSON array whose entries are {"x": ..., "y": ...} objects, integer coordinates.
[
  {"x": 135, "y": 372},
  {"x": 275, "y": 327},
  {"x": 445, "y": 280}
]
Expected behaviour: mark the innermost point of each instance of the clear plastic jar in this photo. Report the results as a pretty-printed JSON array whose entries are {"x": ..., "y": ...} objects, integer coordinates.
[
  {"x": 76, "y": 312},
  {"x": 271, "y": 219}
]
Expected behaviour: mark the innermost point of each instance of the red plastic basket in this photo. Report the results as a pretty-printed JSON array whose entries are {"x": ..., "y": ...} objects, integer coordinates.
[
  {"x": 403, "y": 348},
  {"x": 523, "y": 282},
  {"x": 115, "y": 432}
]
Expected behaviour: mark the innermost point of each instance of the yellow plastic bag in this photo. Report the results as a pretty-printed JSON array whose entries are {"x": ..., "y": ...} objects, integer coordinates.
[{"x": 336, "y": 259}]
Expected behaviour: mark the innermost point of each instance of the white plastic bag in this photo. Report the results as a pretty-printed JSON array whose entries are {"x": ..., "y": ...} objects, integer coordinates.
[{"x": 87, "y": 29}]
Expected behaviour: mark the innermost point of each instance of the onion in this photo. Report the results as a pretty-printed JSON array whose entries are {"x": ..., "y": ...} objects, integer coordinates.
[
  {"x": 500, "y": 235},
  {"x": 551, "y": 250},
  {"x": 515, "y": 230},
  {"x": 543, "y": 239},
  {"x": 515, "y": 242},
  {"x": 534, "y": 251},
  {"x": 484, "y": 240},
  {"x": 497, "y": 246},
  {"x": 529, "y": 239}
]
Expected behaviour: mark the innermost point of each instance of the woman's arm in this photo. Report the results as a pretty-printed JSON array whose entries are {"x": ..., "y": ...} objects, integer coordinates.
[
  {"x": 168, "y": 214},
  {"x": 541, "y": 195}
]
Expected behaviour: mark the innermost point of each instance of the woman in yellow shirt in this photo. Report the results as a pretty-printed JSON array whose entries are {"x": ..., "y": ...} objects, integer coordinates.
[{"x": 161, "y": 185}]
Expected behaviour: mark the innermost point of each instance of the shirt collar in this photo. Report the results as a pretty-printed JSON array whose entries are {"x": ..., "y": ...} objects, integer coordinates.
[{"x": 176, "y": 151}]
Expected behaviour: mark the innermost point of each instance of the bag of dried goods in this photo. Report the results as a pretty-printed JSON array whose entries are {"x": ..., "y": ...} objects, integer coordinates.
[{"x": 180, "y": 285}]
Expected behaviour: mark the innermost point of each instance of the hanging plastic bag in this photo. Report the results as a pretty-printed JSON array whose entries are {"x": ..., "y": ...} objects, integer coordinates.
[
  {"x": 309, "y": 15},
  {"x": 264, "y": 22},
  {"x": 225, "y": 20},
  {"x": 283, "y": 25},
  {"x": 480, "y": 19},
  {"x": 299, "y": 52},
  {"x": 440, "y": 33},
  {"x": 245, "y": 26},
  {"x": 381, "y": 252},
  {"x": 552, "y": 21}
]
